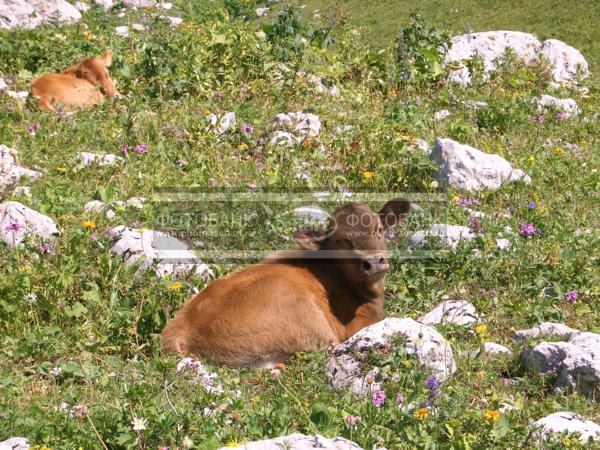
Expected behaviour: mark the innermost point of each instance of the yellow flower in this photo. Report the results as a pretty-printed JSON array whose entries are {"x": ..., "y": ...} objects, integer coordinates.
[
  {"x": 233, "y": 444},
  {"x": 531, "y": 158},
  {"x": 176, "y": 286},
  {"x": 88, "y": 224},
  {"x": 61, "y": 169},
  {"x": 421, "y": 414},
  {"x": 492, "y": 416},
  {"x": 243, "y": 146},
  {"x": 368, "y": 175},
  {"x": 559, "y": 150},
  {"x": 88, "y": 36},
  {"x": 481, "y": 330},
  {"x": 207, "y": 112},
  {"x": 455, "y": 199}
]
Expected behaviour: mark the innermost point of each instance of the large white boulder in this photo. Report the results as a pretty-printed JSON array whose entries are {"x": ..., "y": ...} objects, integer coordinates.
[
  {"x": 446, "y": 235},
  {"x": 466, "y": 168},
  {"x": 571, "y": 423},
  {"x": 576, "y": 361},
  {"x": 299, "y": 441},
  {"x": 458, "y": 312},
  {"x": 15, "y": 443},
  {"x": 18, "y": 222},
  {"x": 150, "y": 248},
  {"x": 345, "y": 366},
  {"x": 491, "y": 45},
  {"x": 31, "y": 13}
]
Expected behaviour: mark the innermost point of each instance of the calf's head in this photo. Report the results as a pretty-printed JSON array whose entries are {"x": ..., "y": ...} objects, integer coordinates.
[
  {"x": 355, "y": 239},
  {"x": 95, "y": 70}
]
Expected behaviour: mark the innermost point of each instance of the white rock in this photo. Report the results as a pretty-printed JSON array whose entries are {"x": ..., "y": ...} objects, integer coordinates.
[
  {"x": 422, "y": 145},
  {"x": 447, "y": 235},
  {"x": 458, "y": 312},
  {"x": 138, "y": 27},
  {"x": 566, "y": 60},
  {"x": 344, "y": 367},
  {"x": 262, "y": 11},
  {"x": 301, "y": 125},
  {"x": 94, "y": 207},
  {"x": 284, "y": 139},
  {"x": 464, "y": 167},
  {"x": 148, "y": 248},
  {"x": 88, "y": 159},
  {"x": 569, "y": 422},
  {"x": 577, "y": 362},
  {"x": 31, "y": 13},
  {"x": 136, "y": 202},
  {"x": 106, "y": 4},
  {"x": 504, "y": 244},
  {"x": 567, "y": 105},
  {"x": 441, "y": 115},
  {"x": 491, "y": 348},
  {"x": 491, "y": 45},
  {"x": 299, "y": 441},
  {"x": 165, "y": 6},
  {"x": 25, "y": 222},
  {"x": 15, "y": 443},
  {"x": 23, "y": 190},
  {"x": 545, "y": 329},
  {"x": 18, "y": 95},
  {"x": 473, "y": 104},
  {"x": 3, "y": 85},
  {"x": 173, "y": 21},
  {"x": 82, "y": 6},
  {"x": 122, "y": 31},
  {"x": 139, "y": 3},
  {"x": 312, "y": 214},
  {"x": 203, "y": 376}
]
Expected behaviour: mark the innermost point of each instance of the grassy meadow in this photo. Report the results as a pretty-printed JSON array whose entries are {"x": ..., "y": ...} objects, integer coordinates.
[{"x": 79, "y": 332}]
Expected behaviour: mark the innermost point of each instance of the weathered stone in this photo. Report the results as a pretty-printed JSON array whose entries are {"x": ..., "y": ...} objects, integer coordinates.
[
  {"x": 491, "y": 348},
  {"x": 566, "y": 105},
  {"x": 571, "y": 423},
  {"x": 299, "y": 441},
  {"x": 3, "y": 85},
  {"x": 139, "y": 3},
  {"x": 444, "y": 234},
  {"x": 31, "y": 13},
  {"x": 15, "y": 443},
  {"x": 88, "y": 159},
  {"x": 545, "y": 329},
  {"x": 345, "y": 366},
  {"x": 458, "y": 312},
  {"x": 464, "y": 167},
  {"x": 122, "y": 31},
  {"x": 148, "y": 248},
  {"x": 260, "y": 12},
  {"x": 106, "y": 4},
  {"x": 442, "y": 114},
  {"x": 18, "y": 222}
]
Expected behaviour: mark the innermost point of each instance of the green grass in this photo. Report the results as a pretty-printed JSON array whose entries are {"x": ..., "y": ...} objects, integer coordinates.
[
  {"x": 100, "y": 322},
  {"x": 576, "y": 23}
]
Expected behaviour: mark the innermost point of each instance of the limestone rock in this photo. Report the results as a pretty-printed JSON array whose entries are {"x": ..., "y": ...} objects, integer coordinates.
[
  {"x": 458, "y": 312},
  {"x": 18, "y": 222},
  {"x": 299, "y": 441},
  {"x": 464, "y": 167},
  {"x": 447, "y": 236},
  {"x": 88, "y": 159},
  {"x": 31, "y": 13},
  {"x": 569, "y": 422},
  {"x": 567, "y": 105},
  {"x": 15, "y": 443},
  {"x": 491, "y": 348},
  {"x": 545, "y": 329}
]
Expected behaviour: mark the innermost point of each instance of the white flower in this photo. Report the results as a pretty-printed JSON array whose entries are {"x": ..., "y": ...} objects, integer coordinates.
[
  {"x": 138, "y": 424},
  {"x": 56, "y": 372},
  {"x": 30, "y": 298}
]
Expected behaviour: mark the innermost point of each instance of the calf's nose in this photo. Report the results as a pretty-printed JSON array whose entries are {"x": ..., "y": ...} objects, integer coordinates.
[{"x": 375, "y": 264}]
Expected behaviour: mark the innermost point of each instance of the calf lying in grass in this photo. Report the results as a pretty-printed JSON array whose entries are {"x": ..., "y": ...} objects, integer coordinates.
[
  {"x": 298, "y": 300},
  {"x": 82, "y": 85}
]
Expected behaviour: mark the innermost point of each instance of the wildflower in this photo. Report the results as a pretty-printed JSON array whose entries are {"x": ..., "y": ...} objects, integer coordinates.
[
  {"x": 532, "y": 205},
  {"x": 475, "y": 225},
  {"x": 433, "y": 385},
  {"x": 421, "y": 414},
  {"x": 481, "y": 330},
  {"x": 138, "y": 424},
  {"x": 399, "y": 400},
  {"x": 389, "y": 234},
  {"x": 212, "y": 182},
  {"x": 467, "y": 201},
  {"x": 538, "y": 118},
  {"x": 30, "y": 298},
  {"x": 243, "y": 146},
  {"x": 233, "y": 444},
  {"x": 94, "y": 237},
  {"x": 88, "y": 224},
  {"x": 531, "y": 158},
  {"x": 352, "y": 421},
  {"x": 368, "y": 175},
  {"x": 135, "y": 224},
  {"x": 528, "y": 230},
  {"x": 561, "y": 115},
  {"x": 141, "y": 148},
  {"x": 33, "y": 128},
  {"x": 571, "y": 297},
  {"x": 378, "y": 399},
  {"x": 13, "y": 227},
  {"x": 55, "y": 372},
  {"x": 78, "y": 411},
  {"x": 125, "y": 149},
  {"x": 260, "y": 165},
  {"x": 88, "y": 36},
  {"x": 181, "y": 162},
  {"x": 492, "y": 416},
  {"x": 275, "y": 374},
  {"x": 559, "y": 150},
  {"x": 176, "y": 286},
  {"x": 251, "y": 186},
  {"x": 247, "y": 128},
  {"x": 46, "y": 249}
]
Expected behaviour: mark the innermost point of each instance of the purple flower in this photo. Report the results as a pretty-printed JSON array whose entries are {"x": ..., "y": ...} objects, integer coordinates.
[
  {"x": 94, "y": 237},
  {"x": 260, "y": 165},
  {"x": 247, "y": 128},
  {"x": 33, "y": 128},
  {"x": 492, "y": 293},
  {"x": 212, "y": 182},
  {"x": 378, "y": 399},
  {"x": 571, "y": 297},
  {"x": 389, "y": 234},
  {"x": 532, "y": 205},
  {"x": 433, "y": 385},
  {"x": 124, "y": 148},
  {"x": 46, "y": 249},
  {"x": 467, "y": 201},
  {"x": 561, "y": 115},
  {"x": 528, "y": 230},
  {"x": 181, "y": 162},
  {"x": 141, "y": 148},
  {"x": 13, "y": 227},
  {"x": 475, "y": 225},
  {"x": 538, "y": 118}
]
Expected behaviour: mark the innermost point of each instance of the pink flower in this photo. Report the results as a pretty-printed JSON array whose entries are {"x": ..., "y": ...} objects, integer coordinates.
[
  {"x": 13, "y": 227},
  {"x": 352, "y": 421},
  {"x": 33, "y": 128},
  {"x": 378, "y": 398},
  {"x": 528, "y": 230},
  {"x": 212, "y": 182},
  {"x": 181, "y": 162},
  {"x": 124, "y": 148},
  {"x": 141, "y": 148},
  {"x": 571, "y": 297}
]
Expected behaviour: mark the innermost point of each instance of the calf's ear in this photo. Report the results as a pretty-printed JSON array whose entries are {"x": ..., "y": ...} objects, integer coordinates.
[
  {"x": 309, "y": 239},
  {"x": 107, "y": 58},
  {"x": 394, "y": 212}
]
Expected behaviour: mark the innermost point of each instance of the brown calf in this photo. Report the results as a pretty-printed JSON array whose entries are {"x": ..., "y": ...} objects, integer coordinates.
[
  {"x": 82, "y": 85},
  {"x": 298, "y": 300}
]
